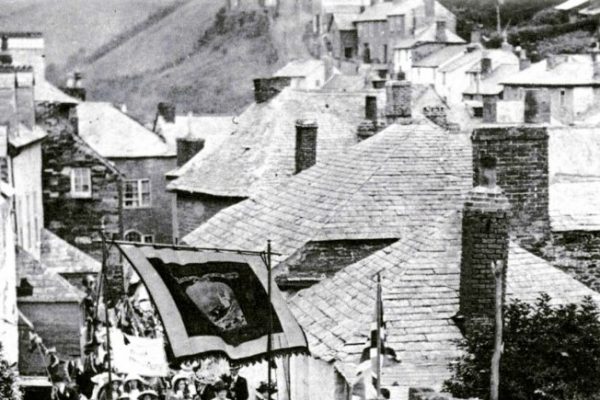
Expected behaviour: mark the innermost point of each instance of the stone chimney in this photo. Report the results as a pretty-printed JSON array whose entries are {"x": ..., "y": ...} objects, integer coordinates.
[
  {"x": 24, "y": 96},
  {"x": 521, "y": 152},
  {"x": 371, "y": 108},
  {"x": 485, "y": 241},
  {"x": 437, "y": 115},
  {"x": 486, "y": 64},
  {"x": 74, "y": 86},
  {"x": 476, "y": 34},
  {"x": 306, "y": 144},
  {"x": 490, "y": 109},
  {"x": 524, "y": 61},
  {"x": 398, "y": 106},
  {"x": 267, "y": 88},
  {"x": 167, "y": 111},
  {"x": 537, "y": 106},
  {"x": 440, "y": 31},
  {"x": 187, "y": 148}
]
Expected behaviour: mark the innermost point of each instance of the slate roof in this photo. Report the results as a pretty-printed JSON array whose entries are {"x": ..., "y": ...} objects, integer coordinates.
[
  {"x": 345, "y": 21},
  {"x": 260, "y": 151},
  {"x": 490, "y": 84},
  {"x": 575, "y": 70},
  {"x": 421, "y": 276},
  {"x": 380, "y": 188},
  {"x": 440, "y": 57},
  {"x": 62, "y": 258},
  {"x": 24, "y": 136},
  {"x": 299, "y": 68},
  {"x": 48, "y": 286},
  {"x": 114, "y": 134},
  {"x": 44, "y": 91},
  {"x": 213, "y": 129},
  {"x": 427, "y": 35},
  {"x": 571, "y": 4},
  {"x": 345, "y": 83}
]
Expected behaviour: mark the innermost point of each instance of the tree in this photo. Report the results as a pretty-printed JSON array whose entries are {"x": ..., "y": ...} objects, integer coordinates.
[
  {"x": 549, "y": 353},
  {"x": 8, "y": 380}
]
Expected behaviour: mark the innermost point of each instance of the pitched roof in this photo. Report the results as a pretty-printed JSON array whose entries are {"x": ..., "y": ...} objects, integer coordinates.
[
  {"x": 427, "y": 35},
  {"x": 421, "y": 275},
  {"x": 382, "y": 10},
  {"x": 345, "y": 21},
  {"x": 571, "y": 4},
  {"x": 44, "y": 91},
  {"x": 48, "y": 286},
  {"x": 63, "y": 258},
  {"x": 260, "y": 151},
  {"x": 572, "y": 70},
  {"x": 490, "y": 84},
  {"x": 441, "y": 56},
  {"x": 213, "y": 129},
  {"x": 114, "y": 134},
  {"x": 395, "y": 181},
  {"x": 23, "y": 136},
  {"x": 299, "y": 68}
]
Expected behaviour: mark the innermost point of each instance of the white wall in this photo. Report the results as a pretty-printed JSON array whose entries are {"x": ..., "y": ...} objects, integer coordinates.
[
  {"x": 9, "y": 331},
  {"x": 424, "y": 76},
  {"x": 583, "y": 98},
  {"x": 27, "y": 173}
]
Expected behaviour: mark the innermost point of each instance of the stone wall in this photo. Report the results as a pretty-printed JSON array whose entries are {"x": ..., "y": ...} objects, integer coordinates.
[
  {"x": 522, "y": 156},
  {"x": 194, "y": 209},
  {"x": 76, "y": 220}
]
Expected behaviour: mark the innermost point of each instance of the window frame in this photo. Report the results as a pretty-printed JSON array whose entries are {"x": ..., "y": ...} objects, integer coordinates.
[
  {"x": 138, "y": 197},
  {"x": 77, "y": 194},
  {"x": 144, "y": 238}
]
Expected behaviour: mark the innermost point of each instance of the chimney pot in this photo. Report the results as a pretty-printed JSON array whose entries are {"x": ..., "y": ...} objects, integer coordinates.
[{"x": 306, "y": 144}]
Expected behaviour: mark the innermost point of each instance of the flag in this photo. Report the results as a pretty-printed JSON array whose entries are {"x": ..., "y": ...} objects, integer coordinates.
[
  {"x": 371, "y": 361},
  {"x": 215, "y": 302},
  {"x": 132, "y": 354}
]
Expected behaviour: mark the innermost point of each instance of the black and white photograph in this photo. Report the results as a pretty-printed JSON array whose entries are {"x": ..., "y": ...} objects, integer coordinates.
[{"x": 299, "y": 199}]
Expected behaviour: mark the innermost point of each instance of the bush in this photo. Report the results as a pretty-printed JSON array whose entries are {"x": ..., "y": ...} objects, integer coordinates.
[
  {"x": 549, "y": 353},
  {"x": 8, "y": 380}
]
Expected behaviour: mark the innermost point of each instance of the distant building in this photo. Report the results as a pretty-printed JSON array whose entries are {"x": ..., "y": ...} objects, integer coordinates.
[
  {"x": 143, "y": 158},
  {"x": 306, "y": 74},
  {"x": 572, "y": 84},
  {"x": 323, "y": 11}
]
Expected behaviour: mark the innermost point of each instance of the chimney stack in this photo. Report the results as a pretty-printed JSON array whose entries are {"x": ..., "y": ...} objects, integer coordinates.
[
  {"x": 485, "y": 241},
  {"x": 365, "y": 130},
  {"x": 267, "y": 88},
  {"x": 476, "y": 34},
  {"x": 371, "y": 108},
  {"x": 490, "y": 109},
  {"x": 398, "y": 101},
  {"x": 486, "y": 65},
  {"x": 440, "y": 31},
  {"x": 524, "y": 61},
  {"x": 537, "y": 106},
  {"x": 167, "y": 111},
  {"x": 306, "y": 144},
  {"x": 24, "y": 96}
]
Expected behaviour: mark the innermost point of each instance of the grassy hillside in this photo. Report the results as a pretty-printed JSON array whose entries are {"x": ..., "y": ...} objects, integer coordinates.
[{"x": 74, "y": 28}]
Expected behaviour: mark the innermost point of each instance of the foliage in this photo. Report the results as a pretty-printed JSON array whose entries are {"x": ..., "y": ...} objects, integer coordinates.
[
  {"x": 8, "y": 380},
  {"x": 549, "y": 353}
]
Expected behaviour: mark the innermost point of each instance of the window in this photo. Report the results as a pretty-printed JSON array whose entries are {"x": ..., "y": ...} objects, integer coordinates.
[
  {"x": 348, "y": 52},
  {"x": 81, "y": 182},
  {"x": 148, "y": 238},
  {"x": 135, "y": 236},
  {"x": 385, "y": 53},
  {"x": 137, "y": 193}
]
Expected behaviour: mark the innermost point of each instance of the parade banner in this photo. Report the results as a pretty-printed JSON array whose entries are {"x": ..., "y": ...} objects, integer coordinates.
[
  {"x": 215, "y": 302},
  {"x": 138, "y": 355}
]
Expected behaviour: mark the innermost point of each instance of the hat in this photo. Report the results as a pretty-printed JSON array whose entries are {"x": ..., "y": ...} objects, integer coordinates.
[
  {"x": 150, "y": 392},
  {"x": 134, "y": 377},
  {"x": 220, "y": 385},
  {"x": 236, "y": 367},
  {"x": 51, "y": 350},
  {"x": 124, "y": 396},
  {"x": 179, "y": 377}
]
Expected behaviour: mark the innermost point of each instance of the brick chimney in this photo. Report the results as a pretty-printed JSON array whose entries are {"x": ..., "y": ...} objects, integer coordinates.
[
  {"x": 485, "y": 240},
  {"x": 306, "y": 144},
  {"x": 437, "y": 115},
  {"x": 521, "y": 152},
  {"x": 267, "y": 88},
  {"x": 24, "y": 96},
  {"x": 486, "y": 65},
  {"x": 537, "y": 106},
  {"x": 440, "y": 31},
  {"x": 167, "y": 111},
  {"x": 398, "y": 106},
  {"x": 74, "y": 86},
  {"x": 187, "y": 148}
]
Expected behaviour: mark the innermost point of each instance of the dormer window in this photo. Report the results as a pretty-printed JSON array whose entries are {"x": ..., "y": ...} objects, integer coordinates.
[{"x": 81, "y": 183}]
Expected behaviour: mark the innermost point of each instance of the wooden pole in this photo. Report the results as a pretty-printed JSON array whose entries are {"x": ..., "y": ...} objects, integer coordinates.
[
  {"x": 270, "y": 332},
  {"x": 379, "y": 322},
  {"x": 106, "y": 317},
  {"x": 498, "y": 22},
  {"x": 498, "y": 268}
]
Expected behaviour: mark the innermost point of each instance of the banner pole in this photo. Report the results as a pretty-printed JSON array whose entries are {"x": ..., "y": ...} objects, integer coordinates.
[
  {"x": 108, "y": 347},
  {"x": 379, "y": 322},
  {"x": 270, "y": 332}
]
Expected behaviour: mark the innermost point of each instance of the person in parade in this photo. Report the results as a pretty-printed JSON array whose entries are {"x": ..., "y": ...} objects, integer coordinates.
[
  {"x": 238, "y": 388},
  {"x": 134, "y": 385},
  {"x": 148, "y": 395},
  {"x": 204, "y": 387},
  {"x": 222, "y": 391},
  {"x": 64, "y": 391},
  {"x": 180, "y": 386}
]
